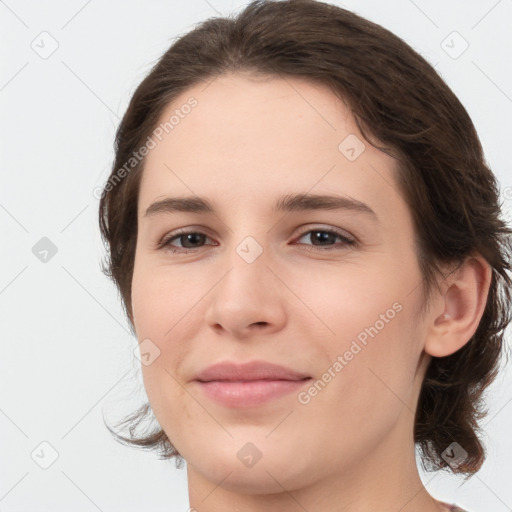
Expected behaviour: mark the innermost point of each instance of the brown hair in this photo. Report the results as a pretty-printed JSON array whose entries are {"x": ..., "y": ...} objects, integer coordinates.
[{"x": 398, "y": 99}]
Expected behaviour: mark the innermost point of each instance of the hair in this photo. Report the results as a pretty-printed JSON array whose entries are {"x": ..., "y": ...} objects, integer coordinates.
[{"x": 398, "y": 99}]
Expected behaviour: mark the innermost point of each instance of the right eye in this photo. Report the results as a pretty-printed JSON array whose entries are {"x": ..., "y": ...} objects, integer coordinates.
[{"x": 188, "y": 239}]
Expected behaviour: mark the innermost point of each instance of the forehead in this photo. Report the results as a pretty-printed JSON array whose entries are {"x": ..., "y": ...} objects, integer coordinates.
[{"x": 250, "y": 137}]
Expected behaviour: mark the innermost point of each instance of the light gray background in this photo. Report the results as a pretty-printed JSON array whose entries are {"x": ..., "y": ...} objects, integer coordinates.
[{"x": 67, "y": 354}]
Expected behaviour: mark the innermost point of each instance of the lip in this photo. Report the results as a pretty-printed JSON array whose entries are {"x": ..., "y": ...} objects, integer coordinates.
[
  {"x": 248, "y": 384},
  {"x": 252, "y": 370}
]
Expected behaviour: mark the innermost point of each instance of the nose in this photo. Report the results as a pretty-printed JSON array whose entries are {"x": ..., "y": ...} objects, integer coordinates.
[{"x": 249, "y": 299}]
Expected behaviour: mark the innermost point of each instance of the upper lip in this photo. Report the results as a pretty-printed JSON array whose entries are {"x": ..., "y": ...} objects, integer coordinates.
[{"x": 253, "y": 370}]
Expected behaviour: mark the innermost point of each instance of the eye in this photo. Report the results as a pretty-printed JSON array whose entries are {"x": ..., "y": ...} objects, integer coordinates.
[
  {"x": 188, "y": 240},
  {"x": 323, "y": 239}
]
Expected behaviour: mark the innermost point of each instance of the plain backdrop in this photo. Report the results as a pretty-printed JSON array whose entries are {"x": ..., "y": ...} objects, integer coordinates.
[{"x": 68, "y": 71}]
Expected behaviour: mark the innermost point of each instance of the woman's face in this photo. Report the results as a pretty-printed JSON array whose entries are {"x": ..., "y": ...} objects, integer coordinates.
[{"x": 332, "y": 294}]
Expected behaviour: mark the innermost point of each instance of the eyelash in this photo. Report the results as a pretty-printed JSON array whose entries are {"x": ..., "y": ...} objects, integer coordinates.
[{"x": 165, "y": 243}]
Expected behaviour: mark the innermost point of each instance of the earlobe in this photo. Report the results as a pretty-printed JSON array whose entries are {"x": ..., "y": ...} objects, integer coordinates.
[{"x": 462, "y": 307}]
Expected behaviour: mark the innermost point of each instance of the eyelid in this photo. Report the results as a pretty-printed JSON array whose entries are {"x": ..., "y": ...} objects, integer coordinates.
[{"x": 341, "y": 232}]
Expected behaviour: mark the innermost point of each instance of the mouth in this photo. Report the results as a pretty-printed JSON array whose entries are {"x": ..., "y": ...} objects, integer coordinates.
[
  {"x": 249, "y": 393},
  {"x": 248, "y": 384}
]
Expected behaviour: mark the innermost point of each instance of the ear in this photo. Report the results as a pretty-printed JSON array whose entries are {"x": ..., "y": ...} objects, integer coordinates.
[{"x": 458, "y": 310}]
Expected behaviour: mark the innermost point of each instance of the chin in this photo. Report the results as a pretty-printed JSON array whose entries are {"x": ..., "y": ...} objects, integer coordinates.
[{"x": 273, "y": 469}]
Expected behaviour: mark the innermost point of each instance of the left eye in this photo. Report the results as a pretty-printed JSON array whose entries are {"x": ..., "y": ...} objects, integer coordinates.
[
  {"x": 326, "y": 236},
  {"x": 321, "y": 238}
]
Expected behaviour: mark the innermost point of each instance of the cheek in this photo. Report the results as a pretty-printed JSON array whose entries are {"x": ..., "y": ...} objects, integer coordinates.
[
  {"x": 349, "y": 299},
  {"x": 373, "y": 341},
  {"x": 160, "y": 299},
  {"x": 158, "y": 305}
]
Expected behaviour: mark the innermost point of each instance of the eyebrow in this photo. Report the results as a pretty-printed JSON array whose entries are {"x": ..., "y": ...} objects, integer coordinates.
[{"x": 286, "y": 203}]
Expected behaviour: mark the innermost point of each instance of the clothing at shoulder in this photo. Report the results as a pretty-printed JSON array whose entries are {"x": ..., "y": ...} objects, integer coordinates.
[{"x": 453, "y": 508}]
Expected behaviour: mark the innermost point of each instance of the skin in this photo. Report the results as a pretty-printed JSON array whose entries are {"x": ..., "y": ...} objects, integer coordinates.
[{"x": 248, "y": 141}]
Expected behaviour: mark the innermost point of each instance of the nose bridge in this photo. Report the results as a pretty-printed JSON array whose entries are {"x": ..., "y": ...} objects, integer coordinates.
[
  {"x": 249, "y": 241},
  {"x": 248, "y": 270},
  {"x": 246, "y": 294}
]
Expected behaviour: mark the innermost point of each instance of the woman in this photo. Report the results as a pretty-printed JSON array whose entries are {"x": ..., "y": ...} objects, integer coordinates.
[{"x": 310, "y": 251}]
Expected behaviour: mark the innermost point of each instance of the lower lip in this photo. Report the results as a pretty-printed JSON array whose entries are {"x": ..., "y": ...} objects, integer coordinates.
[{"x": 249, "y": 393}]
